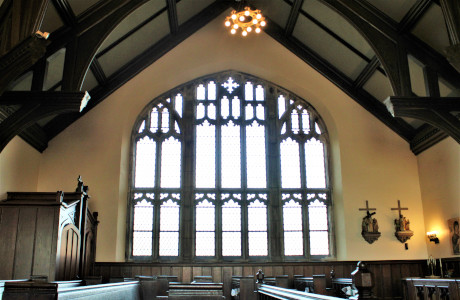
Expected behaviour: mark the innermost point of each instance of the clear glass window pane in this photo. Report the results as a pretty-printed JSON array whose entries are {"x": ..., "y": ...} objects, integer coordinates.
[
  {"x": 142, "y": 243},
  {"x": 211, "y": 91},
  {"x": 171, "y": 163},
  {"x": 165, "y": 120},
  {"x": 249, "y": 112},
  {"x": 205, "y": 244},
  {"x": 178, "y": 104},
  {"x": 305, "y": 121},
  {"x": 255, "y": 156},
  {"x": 205, "y": 229},
  {"x": 314, "y": 164},
  {"x": 281, "y": 105},
  {"x": 200, "y": 92},
  {"x": 258, "y": 244},
  {"x": 317, "y": 216},
  {"x": 143, "y": 226},
  {"x": 205, "y": 170},
  {"x": 260, "y": 93},
  {"x": 257, "y": 227},
  {"x": 231, "y": 156},
  {"x": 225, "y": 107},
  {"x": 319, "y": 243},
  {"x": 169, "y": 216},
  {"x": 231, "y": 243},
  {"x": 169, "y": 243},
  {"x": 292, "y": 223},
  {"x": 236, "y": 107},
  {"x": 154, "y": 119},
  {"x": 145, "y": 163},
  {"x": 290, "y": 164},
  {"x": 249, "y": 91}
]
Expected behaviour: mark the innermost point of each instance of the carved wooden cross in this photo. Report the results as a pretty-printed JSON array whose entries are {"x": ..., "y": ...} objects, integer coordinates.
[
  {"x": 367, "y": 209},
  {"x": 399, "y": 208}
]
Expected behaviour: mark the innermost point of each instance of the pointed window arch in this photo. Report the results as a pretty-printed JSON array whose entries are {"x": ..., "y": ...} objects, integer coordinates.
[{"x": 229, "y": 167}]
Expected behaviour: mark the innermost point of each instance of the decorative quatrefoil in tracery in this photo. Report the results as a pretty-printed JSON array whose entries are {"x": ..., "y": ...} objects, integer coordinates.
[{"x": 230, "y": 85}]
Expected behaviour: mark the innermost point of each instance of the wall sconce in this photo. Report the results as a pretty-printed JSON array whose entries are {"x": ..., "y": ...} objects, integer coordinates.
[{"x": 432, "y": 237}]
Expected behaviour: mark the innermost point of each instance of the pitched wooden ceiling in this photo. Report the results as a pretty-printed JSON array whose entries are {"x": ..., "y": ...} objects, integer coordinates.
[{"x": 371, "y": 49}]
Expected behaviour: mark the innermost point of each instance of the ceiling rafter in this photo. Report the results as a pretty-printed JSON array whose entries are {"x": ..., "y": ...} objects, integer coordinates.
[
  {"x": 371, "y": 104},
  {"x": 172, "y": 16},
  {"x": 65, "y": 12},
  {"x": 34, "y": 107},
  {"x": 415, "y": 13},
  {"x": 98, "y": 72},
  {"x": 367, "y": 72},
  {"x": 139, "y": 63},
  {"x": 293, "y": 15}
]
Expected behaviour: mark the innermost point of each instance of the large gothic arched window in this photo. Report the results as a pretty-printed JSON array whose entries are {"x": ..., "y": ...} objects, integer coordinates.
[{"x": 229, "y": 168}]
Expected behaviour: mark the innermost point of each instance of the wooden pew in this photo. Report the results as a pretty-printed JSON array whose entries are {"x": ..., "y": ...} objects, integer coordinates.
[
  {"x": 273, "y": 292},
  {"x": 243, "y": 288},
  {"x": 195, "y": 291},
  {"x": 427, "y": 288}
]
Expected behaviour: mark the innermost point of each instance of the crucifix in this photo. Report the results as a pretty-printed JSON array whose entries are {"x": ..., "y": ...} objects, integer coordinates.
[
  {"x": 369, "y": 227},
  {"x": 402, "y": 231},
  {"x": 399, "y": 208},
  {"x": 367, "y": 209}
]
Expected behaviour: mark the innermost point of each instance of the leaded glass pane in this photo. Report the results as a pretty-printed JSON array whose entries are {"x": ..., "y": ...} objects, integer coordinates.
[
  {"x": 225, "y": 107},
  {"x": 142, "y": 243},
  {"x": 257, "y": 216},
  {"x": 255, "y": 152},
  {"x": 281, "y": 105},
  {"x": 249, "y": 112},
  {"x": 204, "y": 215},
  {"x": 171, "y": 163},
  {"x": 258, "y": 243},
  {"x": 205, "y": 229},
  {"x": 236, "y": 107},
  {"x": 204, "y": 245},
  {"x": 305, "y": 121},
  {"x": 319, "y": 243},
  {"x": 314, "y": 164},
  {"x": 169, "y": 216},
  {"x": 169, "y": 243},
  {"x": 143, "y": 216},
  {"x": 290, "y": 164},
  {"x": 231, "y": 243},
  {"x": 211, "y": 90},
  {"x": 293, "y": 243},
  {"x": 260, "y": 93},
  {"x": 292, "y": 224},
  {"x": 205, "y": 170},
  {"x": 317, "y": 129},
  {"x": 231, "y": 216},
  {"x": 230, "y": 85},
  {"x": 200, "y": 111},
  {"x": 295, "y": 122},
  {"x": 145, "y": 163},
  {"x": 231, "y": 156},
  {"x": 200, "y": 92},
  {"x": 178, "y": 104},
  {"x": 248, "y": 91},
  {"x": 212, "y": 111},
  {"x": 317, "y": 216},
  {"x": 260, "y": 112},
  {"x": 165, "y": 120},
  {"x": 154, "y": 117}
]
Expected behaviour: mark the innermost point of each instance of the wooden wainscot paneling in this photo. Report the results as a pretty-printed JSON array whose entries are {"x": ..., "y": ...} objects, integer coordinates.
[{"x": 387, "y": 275}]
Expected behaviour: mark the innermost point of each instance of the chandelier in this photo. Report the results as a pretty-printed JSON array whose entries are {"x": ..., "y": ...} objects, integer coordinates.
[{"x": 246, "y": 20}]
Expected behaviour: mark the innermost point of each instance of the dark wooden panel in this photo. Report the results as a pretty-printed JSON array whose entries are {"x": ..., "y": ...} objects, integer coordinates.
[
  {"x": 137, "y": 270},
  {"x": 156, "y": 270},
  {"x": 307, "y": 271},
  {"x": 298, "y": 270},
  {"x": 25, "y": 243},
  {"x": 177, "y": 271},
  {"x": 146, "y": 271},
  {"x": 237, "y": 271},
  {"x": 44, "y": 258},
  {"x": 396, "y": 288},
  {"x": 386, "y": 281},
  {"x": 247, "y": 271},
  {"x": 197, "y": 271},
  {"x": 217, "y": 274},
  {"x": 8, "y": 226},
  {"x": 227, "y": 274},
  {"x": 206, "y": 271},
  {"x": 187, "y": 274}
]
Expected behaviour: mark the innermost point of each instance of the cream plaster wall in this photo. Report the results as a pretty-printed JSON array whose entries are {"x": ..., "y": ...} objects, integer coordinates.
[
  {"x": 19, "y": 168},
  {"x": 370, "y": 162},
  {"x": 439, "y": 169}
]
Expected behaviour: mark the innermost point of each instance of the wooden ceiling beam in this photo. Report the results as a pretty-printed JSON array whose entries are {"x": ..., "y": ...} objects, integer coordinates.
[
  {"x": 34, "y": 107},
  {"x": 432, "y": 110},
  {"x": 367, "y": 101},
  {"x": 172, "y": 16},
  {"x": 139, "y": 63},
  {"x": 367, "y": 72},
  {"x": 293, "y": 15},
  {"x": 451, "y": 12},
  {"x": 65, "y": 12},
  {"x": 414, "y": 14}
]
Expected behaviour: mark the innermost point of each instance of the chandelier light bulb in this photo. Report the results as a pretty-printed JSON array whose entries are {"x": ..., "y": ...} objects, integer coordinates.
[{"x": 248, "y": 20}]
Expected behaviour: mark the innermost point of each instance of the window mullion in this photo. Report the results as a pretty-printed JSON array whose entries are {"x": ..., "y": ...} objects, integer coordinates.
[{"x": 156, "y": 227}]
